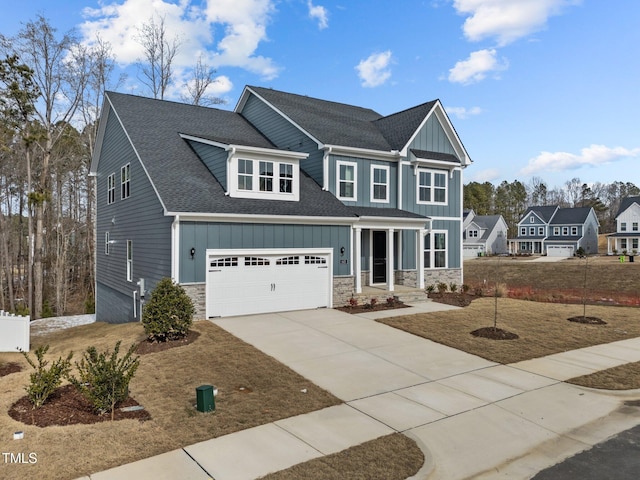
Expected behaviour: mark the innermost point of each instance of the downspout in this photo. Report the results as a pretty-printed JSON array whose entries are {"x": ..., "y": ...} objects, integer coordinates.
[
  {"x": 325, "y": 169},
  {"x": 232, "y": 152},
  {"x": 175, "y": 249},
  {"x": 399, "y": 179}
]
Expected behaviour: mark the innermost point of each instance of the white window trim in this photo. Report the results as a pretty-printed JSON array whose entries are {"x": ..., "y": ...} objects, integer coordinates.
[
  {"x": 574, "y": 231},
  {"x": 623, "y": 226},
  {"x": 532, "y": 219},
  {"x": 126, "y": 167},
  {"x": 387, "y": 184},
  {"x": 532, "y": 231},
  {"x": 129, "y": 255},
  {"x": 634, "y": 226},
  {"x": 339, "y": 163},
  {"x": 540, "y": 231},
  {"x": 556, "y": 231},
  {"x": 523, "y": 231},
  {"x": 473, "y": 233},
  {"x": 255, "y": 192},
  {"x": 565, "y": 231},
  {"x": 431, "y": 250},
  {"x": 111, "y": 189},
  {"x": 432, "y": 186}
]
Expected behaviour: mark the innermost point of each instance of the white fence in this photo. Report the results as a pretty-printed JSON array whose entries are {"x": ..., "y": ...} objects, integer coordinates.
[{"x": 14, "y": 332}]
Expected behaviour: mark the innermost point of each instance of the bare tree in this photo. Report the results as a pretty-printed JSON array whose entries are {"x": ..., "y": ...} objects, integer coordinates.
[
  {"x": 159, "y": 53},
  {"x": 202, "y": 77}
]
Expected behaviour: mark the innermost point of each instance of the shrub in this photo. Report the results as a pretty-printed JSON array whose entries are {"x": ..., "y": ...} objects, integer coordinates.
[
  {"x": 442, "y": 287},
  {"x": 104, "y": 378},
  {"x": 169, "y": 313},
  {"x": 44, "y": 381},
  {"x": 453, "y": 287},
  {"x": 353, "y": 302},
  {"x": 391, "y": 301},
  {"x": 431, "y": 288},
  {"x": 465, "y": 288}
]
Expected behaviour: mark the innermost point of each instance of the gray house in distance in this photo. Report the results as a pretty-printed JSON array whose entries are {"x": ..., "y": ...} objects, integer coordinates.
[
  {"x": 556, "y": 231},
  {"x": 627, "y": 235},
  {"x": 287, "y": 202},
  {"x": 484, "y": 235}
]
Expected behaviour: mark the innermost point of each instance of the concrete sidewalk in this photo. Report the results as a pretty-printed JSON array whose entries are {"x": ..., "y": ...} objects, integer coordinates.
[{"x": 470, "y": 416}]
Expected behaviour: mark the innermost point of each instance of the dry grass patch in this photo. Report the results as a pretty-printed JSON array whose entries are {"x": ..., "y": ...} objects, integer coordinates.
[
  {"x": 392, "y": 457},
  {"x": 622, "y": 377},
  {"x": 542, "y": 328},
  {"x": 165, "y": 385}
]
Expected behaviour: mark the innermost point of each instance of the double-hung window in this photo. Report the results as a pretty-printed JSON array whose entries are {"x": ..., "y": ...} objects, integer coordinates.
[
  {"x": 286, "y": 178},
  {"x": 379, "y": 183},
  {"x": 435, "y": 250},
  {"x": 432, "y": 186},
  {"x": 574, "y": 231},
  {"x": 556, "y": 231},
  {"x": 266, "y": 176},
  {"x": 523, "y": 231},
  {"x": 111, "y": 188},
  {"x": 346, "y": 180},
  {"x": 532, "y": 231},
  {"x": 565, "y": 231},
  {"x": 634, "y": 226},
  {"x": 623, "y": 226},
  {"x": 125, "y": 181},
  {"x": 541, "y": 231},
  {"x": 245, "y": 174}
]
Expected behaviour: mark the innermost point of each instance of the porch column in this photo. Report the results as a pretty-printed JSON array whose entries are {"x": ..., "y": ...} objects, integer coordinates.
[
  {"x": 420, "y": 256},
  {"x": 390, "y": 265},
  {"x": 357, "y": 271}
]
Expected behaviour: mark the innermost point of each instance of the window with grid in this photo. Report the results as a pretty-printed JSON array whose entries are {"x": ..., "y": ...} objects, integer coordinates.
[
  {"x": 623, "y": 226},
  {"x": 266, "y": 176},
  {"x": 435, "y": 250},
  {"x": 224, "y": 262},
  {"x": 346, "y": 181},
  {"x": 432, "y": 187},
  {"x": 540, "y": 231},
  {"x": 125, "y": 181},
  {"x": 634, "y": 226},
  {"x": 313, "y": 260},
  {"x": 129, "y": 260},
  {"x": 245, "y": 174},
  {"x": 255, "y": 261},
  {"x": 288, "y": 261},
  {"x": 379, "y": 184},
  {"x": 286, "y": 178},
  {"x": 111, "y": 188},
  {"x": 574, "y": 231}
]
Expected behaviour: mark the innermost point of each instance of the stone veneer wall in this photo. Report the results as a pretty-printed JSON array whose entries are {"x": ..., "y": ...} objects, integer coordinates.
[
  {"x": 343, "y": 288},
  {"x": 452, "y": 275},
  {"x": 408, "y": 278},
  {"x": 198, "y": 293}
]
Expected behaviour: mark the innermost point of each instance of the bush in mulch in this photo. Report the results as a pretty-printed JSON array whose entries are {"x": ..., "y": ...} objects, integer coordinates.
[
  {"x": 148, "y": 346},
  {"x": 458, "y": 299},
  {"x": 494, "y": 333},
  {"x": 587, "y": 320},
  {"x": 9, "y": 368}
]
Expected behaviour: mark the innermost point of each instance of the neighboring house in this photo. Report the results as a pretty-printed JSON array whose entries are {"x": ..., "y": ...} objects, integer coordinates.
[
  {"x": 288, "y": 202},
  {"x": 484, "y": 235},
  {"x": 627, "y": 235},
  {"x": 556, "y": 231}
]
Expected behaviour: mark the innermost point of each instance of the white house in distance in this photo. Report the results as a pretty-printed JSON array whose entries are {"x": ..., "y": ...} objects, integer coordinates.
[
  {"x": 627, "y": 235},
  {"x": 484, "y": 235}
]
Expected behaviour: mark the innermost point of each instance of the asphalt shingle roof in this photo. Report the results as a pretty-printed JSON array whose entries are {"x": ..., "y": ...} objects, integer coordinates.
[
  {"x": 384, "y": 212},
  {"x": 567, "y": 216},
  {"x": 446, "y": 157},
  {"x": 626, "y": 203},
  {"x": 182, "y": 180},
  {"x": 545, "y": 212}
]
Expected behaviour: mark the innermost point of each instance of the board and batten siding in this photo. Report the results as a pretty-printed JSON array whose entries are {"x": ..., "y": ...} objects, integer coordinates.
[
  {"x": 453, "y": 227},
  {"x": 432, "y": 138},
  {"x": 215, "y": 159},
  {"x": 284, "y": 135},
  {"x": 453, "y": 207},
  {"x": 139, "y": 218},
  {"x": 203, "y": 235},
  {"x": 364, "y": 181}
]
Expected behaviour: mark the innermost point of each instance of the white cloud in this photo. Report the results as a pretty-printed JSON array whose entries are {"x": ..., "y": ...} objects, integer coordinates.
[
  {"x": 463, "y": 112},
  {"x": 488, "y": 175},
  {"x": 507, "y": 20},
  {"x": 241, "y": 24},
  {"x": 476, "y": 67},
  {"x": 320, "y": 14},
  {"x": 374, "y": 70},
  {"x": 591, "y": 156}
]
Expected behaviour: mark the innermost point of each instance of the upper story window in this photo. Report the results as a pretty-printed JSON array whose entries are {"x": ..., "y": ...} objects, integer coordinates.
[
  {"x": 565, "y": 231},
  {"x": 129, "y": 261},
  {"x": 574, "y": 231},
  {"x": 111, "y": 188},
  {"x": 634, "y": 226},
  {"x": 523, "y": 231},
  {"x": 125, "y": 181},
  {"x": 532, "y": 219},
  {"x": 347, "y": 186},
  {"x": 107, "y": 243},
  {"x": 473, "y": 233},
  {"x": 540, "y": 230},
  {"x": 432, "y": 187},
  {"x": 264, "y": 179},
  {"x": 556, "y": 231},
  {"x": 532, "y": 231},
  {"x": 623, "y": 226},
  {"x": 379, "y": 183}
]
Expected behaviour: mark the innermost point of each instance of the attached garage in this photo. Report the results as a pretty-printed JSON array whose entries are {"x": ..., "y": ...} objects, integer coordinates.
[
  {"x": 560, "y": 250},
  {"x": 243, "y": 282},
  {"x": 472, "y": 251}
]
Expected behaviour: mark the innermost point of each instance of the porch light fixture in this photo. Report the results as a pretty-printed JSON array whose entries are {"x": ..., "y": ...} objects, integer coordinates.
[
  {"x": 342, "y": 251},
  {"x": 192, "y": 252}
]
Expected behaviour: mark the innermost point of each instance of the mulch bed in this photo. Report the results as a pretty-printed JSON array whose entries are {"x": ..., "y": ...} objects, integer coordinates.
[
  {"x": 66, "y": 406},
  {"x": 494, "y": 334},
  {"x": 372, "y": 308},
  {"x": 9, "y": 368},
  {"x": 587, "y": 320},
  {"x": 457, "y": 299},
  {"x": 146, "y": 346}
]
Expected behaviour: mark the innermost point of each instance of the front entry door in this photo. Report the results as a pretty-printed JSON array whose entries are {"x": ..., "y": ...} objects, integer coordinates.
[{"x": 379, "y": 256}]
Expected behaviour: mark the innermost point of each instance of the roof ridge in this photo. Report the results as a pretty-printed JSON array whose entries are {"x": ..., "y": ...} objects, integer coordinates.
[{"x": 407, "y": 110}]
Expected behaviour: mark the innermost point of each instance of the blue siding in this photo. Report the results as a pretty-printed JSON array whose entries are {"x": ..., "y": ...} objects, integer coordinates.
[
  {"x": 364, "y": 181},
  {"x": 203, "y": 236},
  {"x": 113, "y": 306},
  {"x": 284, "y": 135},
  {"x": 433, "y": 138},
  {"x": 453, "y": 240},
  {"x": 408, "y": 250},
  {"x": 453, "y": 208},
  {"x": 215, "y": 158},
  {"x": 139, "y": 218}
]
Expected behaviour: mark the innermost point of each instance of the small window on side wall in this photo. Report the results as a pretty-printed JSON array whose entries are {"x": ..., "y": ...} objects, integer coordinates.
[
  {"x": 111, "y": 189},
  {"x": 129, "y": 261},
  {"x": 125, "y": 181}
]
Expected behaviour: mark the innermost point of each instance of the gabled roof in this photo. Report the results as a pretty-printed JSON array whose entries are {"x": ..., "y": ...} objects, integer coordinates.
[
  {"x": 570, "y": 216},
  {"x": 181, "y": 180},
  {"x": 487, "y": 223},
  {"x": 343, "y": 125},
  {"x": 626, "y": 203},
  {"x": 544, "y": 212}
]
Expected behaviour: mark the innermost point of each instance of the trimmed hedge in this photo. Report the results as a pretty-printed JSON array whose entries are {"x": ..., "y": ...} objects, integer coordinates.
[{"x": 169, "y": 313}]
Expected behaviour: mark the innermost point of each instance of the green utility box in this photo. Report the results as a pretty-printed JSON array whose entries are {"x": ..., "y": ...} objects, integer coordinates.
[{"x": 205, "y": 401}]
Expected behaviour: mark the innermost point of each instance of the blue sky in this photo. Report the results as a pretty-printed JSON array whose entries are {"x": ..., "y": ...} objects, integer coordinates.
[{"x": 544, "y": 88}]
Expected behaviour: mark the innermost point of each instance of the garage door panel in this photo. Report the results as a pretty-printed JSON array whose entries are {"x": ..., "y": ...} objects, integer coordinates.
[{"x": 260, "y": 282}]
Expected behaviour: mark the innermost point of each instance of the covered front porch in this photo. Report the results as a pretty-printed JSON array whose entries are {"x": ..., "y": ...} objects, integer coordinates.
[
  {"x": 624, "y": 243},
  {"x": 389, "y": 253},
  {"x": 529, "y": 246}
]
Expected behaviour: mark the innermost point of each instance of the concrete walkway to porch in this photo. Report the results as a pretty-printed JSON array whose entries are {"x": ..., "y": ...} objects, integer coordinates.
[{"x": 471, "y": 417}]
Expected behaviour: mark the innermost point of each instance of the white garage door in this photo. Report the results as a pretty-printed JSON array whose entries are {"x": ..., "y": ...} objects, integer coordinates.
[
  {"x": 471, "y": 251},
  {"x": 560, "y": 251},
  {"x": 242, "y": 282}
]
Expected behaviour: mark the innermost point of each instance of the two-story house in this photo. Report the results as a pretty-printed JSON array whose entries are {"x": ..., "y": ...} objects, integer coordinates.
[
  {"x": 555, "y": 231},
  {"x": 483, "y": 234},
  {"x": 626, "y": 239},
  {"x": 287, "y": 202}
]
